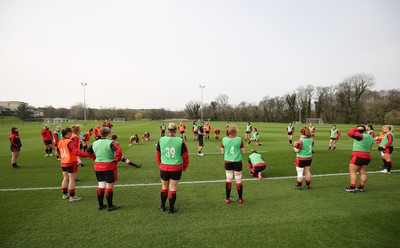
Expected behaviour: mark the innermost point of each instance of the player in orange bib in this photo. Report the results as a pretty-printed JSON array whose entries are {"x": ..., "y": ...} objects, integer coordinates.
[{"x": 69, "y": 164}]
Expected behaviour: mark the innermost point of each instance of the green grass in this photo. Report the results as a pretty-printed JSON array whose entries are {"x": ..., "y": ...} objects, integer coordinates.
[{"x": 273, "y": 214}]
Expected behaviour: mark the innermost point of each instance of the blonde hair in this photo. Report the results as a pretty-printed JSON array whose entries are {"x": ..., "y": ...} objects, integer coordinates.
[
  {"x": 389, "y": 127},
  {"x": 76, "y": 129},
  {"x": 231, "y": 129},
  {"x": 305, "y": 131}
]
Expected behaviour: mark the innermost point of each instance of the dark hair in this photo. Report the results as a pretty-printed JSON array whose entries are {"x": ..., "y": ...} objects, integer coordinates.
[
  {"x": 104, "y": 131},
  {"x": 14, "y": 129},
  {"x": 90, "y": 129},
  {"x": 370, "y": 126},
  {"x": 363, "y": 128},
  {"x": 114, "y": 137},
  {"x": 65, "y": 131}
]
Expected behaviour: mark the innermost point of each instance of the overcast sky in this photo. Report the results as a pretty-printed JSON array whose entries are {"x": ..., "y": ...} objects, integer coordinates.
[{"x": 156, "y": 53}]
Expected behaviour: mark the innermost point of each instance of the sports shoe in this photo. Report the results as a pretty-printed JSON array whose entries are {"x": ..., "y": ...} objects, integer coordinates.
[
  {"x": 308, "y": 186},
  {"x": 65, "y": 196},
  {"x": 75, "y": 198},
  {"x": 360, "y": 189},
  {"x": 50, "y": 155},
  {"x": 227, "y": 201},
  {"x": 201, "y": 154},
  {"x": 260, "y": 175},
  {"x": 101, "y": 207},
  {"x": 240, "y": 201},
  {"x": 297, "y": 187},
  {"x": 113, "y": 207},
  {"x": 139, "y": 165},
  {"x": 16, "y": 166},
  {"x": 46, "y": 155},
  {"x": 162, "y": 209},
  {"x": 130, "y": 145},
  {"x": 173, "y": 210},
  {"x": 385, "y": 171},
  {"x": 349, "y": 190}
]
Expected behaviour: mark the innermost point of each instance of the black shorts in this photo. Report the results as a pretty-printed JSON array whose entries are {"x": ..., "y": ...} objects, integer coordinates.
[
  {"x": 333, "y": 138},
  {"x": 70, "y": 169},
  {"x": 248, "y": 132},
  {"x": 47, "y": 142},
  {"x": 167, "y": 175},
  {"x": 303, "y": 162},
  {"x": 359, "y": 161},
  {"x": 259, "y": 169},
  {"x": 109, "y": 176},
  {"x": 290, "y": 133},
  {"x": 201, "y": 142},
  {"x": 207, "y": 132},
  {"x": 236, "y": 166},
  {"x": 182, "y": 132}
]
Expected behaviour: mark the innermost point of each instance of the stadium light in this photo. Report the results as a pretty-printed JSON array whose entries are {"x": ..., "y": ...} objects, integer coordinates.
[
  {"x": 84, "y": 101},
  {"x": 201, "y": 109}
]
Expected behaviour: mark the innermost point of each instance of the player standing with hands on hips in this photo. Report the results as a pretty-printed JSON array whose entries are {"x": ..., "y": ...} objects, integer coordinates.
[
  {"x": 107, "y": 154},
  {"x": 172, "y": 157}
]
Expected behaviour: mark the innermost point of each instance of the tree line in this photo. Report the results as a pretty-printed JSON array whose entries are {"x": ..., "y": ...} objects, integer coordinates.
[{"x": 351, "y": 101}]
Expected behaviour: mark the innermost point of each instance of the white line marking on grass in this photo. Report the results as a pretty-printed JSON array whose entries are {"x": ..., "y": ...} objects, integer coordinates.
[
  {"x": 215, "y": 153},
  {"x": 191, "y": 182}
]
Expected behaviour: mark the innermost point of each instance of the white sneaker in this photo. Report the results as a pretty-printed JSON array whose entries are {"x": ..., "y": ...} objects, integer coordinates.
[
  {"x": 50, "y": 155},
  {"x": 65, "y": 196},
  {"x": 75, "y": 198},
  {"x": 130, "y": 145},
  {"x": 385, "y": 171},
  {"x": 201, "y": 154},
  {"x": 47, "y": 155}
]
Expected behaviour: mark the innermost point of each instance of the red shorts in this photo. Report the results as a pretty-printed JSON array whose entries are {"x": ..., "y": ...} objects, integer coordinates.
[{"x": 15, "y": 149}]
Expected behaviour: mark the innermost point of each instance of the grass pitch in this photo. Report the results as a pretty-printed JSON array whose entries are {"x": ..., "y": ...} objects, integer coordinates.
[{"x": 273, "y": 214}]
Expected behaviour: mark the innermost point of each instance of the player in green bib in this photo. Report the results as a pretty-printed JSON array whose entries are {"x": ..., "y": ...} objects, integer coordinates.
[
  {"x": 312, "y": 131},
  {"x": 249, "y": 129},
  {"x": 303, "y": 150},
  {"x": 172, "y": 157},
  {"x": 334, "y": 135},
  {"x": 386, "y": 147},
  {"x": 232, "y": 147},
  {"x": 162, "y": 129},
  {"x": 255, "y": 137},
  {"x": 257, "y": 164},
  {"x": 290, "y": 131},
  {"x": 361, "y": 157}
]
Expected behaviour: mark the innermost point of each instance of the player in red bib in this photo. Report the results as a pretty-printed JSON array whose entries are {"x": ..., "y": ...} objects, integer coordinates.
[
  {"x": 47, "y": 140},
  {"x": 15, "y": 146}
]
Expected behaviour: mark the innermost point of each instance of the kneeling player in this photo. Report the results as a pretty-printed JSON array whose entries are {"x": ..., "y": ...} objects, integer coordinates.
[{"x": 257, "y": 164}]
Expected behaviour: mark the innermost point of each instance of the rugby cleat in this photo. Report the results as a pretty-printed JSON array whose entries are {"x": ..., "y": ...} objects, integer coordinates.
[
  {"x": 359, "y": 189},
  {"x": 308, "y": 186},
  {"x": 349, "y": 190},
  {"x": 227, "y": 201},
  {"x": 65, "y": 196},
  {"x": 297, "y": 187},
  {"x": 101, "y": 207},
  {"x": 75, "y": 198},
  {"x": 173, "y": 210},
  {"x": 113, "y": 207},
  {"x": 162, "y": 209},
  {"x": 240, "y": 201}
]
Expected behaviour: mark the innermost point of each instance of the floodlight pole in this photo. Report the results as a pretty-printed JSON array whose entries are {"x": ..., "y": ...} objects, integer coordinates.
[
  {"x": 201, "y": 109},
  {"x": 84, "y": 101}
]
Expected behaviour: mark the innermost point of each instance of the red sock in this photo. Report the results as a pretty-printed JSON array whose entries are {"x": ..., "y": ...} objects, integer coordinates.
[
  {"x": 361, "y": 186},
  {"x": 352, "y": 185},
  {"x": 72, "y": 192}
]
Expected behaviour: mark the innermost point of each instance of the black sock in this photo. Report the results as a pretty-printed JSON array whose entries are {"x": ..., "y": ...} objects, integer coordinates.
[
  {"x": 239, "y": 187},
  {"x": 389, "y": 166},
  {"x": 228, "y": 186},
  {"x": 100, "y": 196},
  {"x": 109, "y": 196},
  {"x": 172, "y": 199},
  {"x": 164, "y": 196}
]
